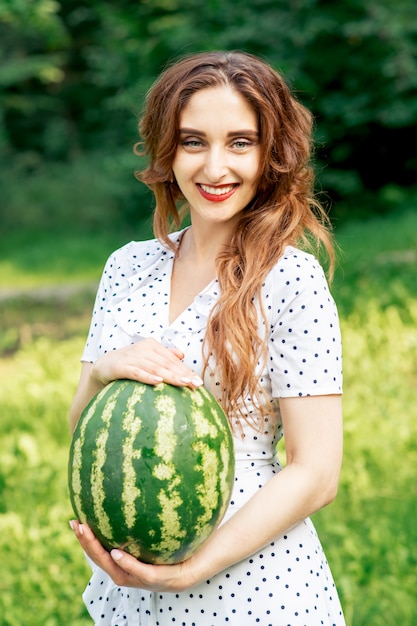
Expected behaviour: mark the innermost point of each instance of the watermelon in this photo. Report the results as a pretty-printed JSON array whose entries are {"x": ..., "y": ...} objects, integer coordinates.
[{"x": 151, "y": 469}]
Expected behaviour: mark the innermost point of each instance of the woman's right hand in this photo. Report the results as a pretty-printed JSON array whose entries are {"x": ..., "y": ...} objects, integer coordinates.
[{"x": 146, "y": 361}]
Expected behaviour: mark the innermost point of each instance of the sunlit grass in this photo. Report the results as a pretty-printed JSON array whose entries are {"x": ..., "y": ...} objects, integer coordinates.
[
  {"x": 369, "y": 532},
  {"x": 42, "y": 570}
]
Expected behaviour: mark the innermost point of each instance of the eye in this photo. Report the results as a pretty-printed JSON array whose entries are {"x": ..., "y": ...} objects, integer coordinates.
[
  {"x": 191, "y": 143},
  {"x": 242, "y": 144}
]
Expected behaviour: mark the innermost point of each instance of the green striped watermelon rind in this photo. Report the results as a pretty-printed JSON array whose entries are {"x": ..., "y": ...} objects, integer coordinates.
[{"x": 183, "y": 443}]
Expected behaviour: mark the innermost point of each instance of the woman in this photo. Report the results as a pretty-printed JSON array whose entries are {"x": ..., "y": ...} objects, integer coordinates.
[{"x": 235, "y": 303}]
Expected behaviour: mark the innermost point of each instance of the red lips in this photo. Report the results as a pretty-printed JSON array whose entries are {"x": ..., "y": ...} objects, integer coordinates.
[{"x": 219, "y": 196}]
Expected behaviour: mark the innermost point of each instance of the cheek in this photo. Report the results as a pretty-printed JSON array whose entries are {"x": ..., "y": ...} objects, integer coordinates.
[
  {"x": 175, "y": 168},
  {"x": 253, "y": 171},
  {"x": 182, "y": 167},
  {"x": 252, "y": 165}
]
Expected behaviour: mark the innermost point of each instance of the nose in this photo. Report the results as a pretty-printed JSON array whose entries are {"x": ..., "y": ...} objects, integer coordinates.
[{"x": 216, "y": 164}]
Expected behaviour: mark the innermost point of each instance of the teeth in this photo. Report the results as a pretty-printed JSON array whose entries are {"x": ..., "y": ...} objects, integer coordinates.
[{"x": 217, "y": 191}]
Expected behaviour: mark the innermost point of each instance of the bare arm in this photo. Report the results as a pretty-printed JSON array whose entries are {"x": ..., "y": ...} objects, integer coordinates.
[
  {"x": 313, "y": 427},
  {"x": 86, "y": 389},
  {"x": 147, "y": 361}
]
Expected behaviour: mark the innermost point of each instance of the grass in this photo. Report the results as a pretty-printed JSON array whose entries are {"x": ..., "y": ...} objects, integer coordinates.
[
  {"x": 378, "y": 263},
  {"x": 369, "y": 532},
  {"x": 29, "y": 259},
  {"x": 41, "y": 570}
]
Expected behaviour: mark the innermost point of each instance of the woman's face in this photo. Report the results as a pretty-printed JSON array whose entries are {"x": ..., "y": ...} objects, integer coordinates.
[{"x": 217, "y": 159}]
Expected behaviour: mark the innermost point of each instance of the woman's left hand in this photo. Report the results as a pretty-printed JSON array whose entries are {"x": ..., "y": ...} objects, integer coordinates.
[{"x": 126, "y": 571}]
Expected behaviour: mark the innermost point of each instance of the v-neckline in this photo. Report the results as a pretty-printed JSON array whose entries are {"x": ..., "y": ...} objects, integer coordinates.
[{"x": 173, "y": 321}]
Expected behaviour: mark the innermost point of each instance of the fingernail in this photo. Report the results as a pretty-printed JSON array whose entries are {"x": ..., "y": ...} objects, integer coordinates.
[
  {"x": 157, "y": 379},
  {"x": 185, "y": 380},
  {"x": 116, "y": 555},
  {"x": 81, "y": 529},
  {"x": 71, "y": 523},
  {"x": 197, "y": 381}
]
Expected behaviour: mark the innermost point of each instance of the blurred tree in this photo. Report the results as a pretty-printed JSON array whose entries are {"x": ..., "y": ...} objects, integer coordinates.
[
  {"x": 362, "y": 70},
  {"x": 73, "y": 74},
  {"x": 32, "y": 43}
]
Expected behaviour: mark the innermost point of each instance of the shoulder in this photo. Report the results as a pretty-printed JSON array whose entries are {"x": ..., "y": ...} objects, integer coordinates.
[
  {"x": 137, "y": 256},
  {"x": 297, "y": 286},
  {"x": 294, "y": 272},
  {"x": 304, "y": 342}
]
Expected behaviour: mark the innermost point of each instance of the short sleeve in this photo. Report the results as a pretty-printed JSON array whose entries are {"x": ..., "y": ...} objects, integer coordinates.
[
  {"x": 304, "y": 344},
  {"x": 132, "y": 275},
  {"x": 111, "y": 285}
]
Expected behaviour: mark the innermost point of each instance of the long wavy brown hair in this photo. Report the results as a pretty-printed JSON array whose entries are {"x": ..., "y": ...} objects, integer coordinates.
[{"x": 283, "y": 212}]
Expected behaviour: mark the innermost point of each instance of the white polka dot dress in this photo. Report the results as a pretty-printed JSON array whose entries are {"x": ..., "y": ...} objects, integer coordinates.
[{"x": 287, "y": 583}]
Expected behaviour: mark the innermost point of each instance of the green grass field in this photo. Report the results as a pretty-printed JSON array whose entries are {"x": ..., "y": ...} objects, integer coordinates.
[{"x": 369, "y": 532}]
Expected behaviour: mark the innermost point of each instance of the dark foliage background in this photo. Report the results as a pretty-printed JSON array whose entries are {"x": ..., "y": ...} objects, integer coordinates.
[{"x": 73, "y": 75}]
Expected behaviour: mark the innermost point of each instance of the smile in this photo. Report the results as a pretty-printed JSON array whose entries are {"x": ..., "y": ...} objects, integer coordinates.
[{"x": 217, "y": 194}]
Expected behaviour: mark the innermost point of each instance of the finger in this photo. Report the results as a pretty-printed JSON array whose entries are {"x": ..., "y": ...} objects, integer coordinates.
[
  {"x": 93, "y": 548},
  {"x": 169, "y": 365},
  {"x": 186, "y": 378},
  {"x": 142, "y": 574},
  {"x": 147, "y": 361},
  {"x": 170, "y": 357},
  {"x": 180, "y": 355},
  {"x": 126, "y": 561}
]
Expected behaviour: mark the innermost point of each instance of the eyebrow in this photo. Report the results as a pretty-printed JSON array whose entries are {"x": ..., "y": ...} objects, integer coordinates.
[{"x": 233, "y": 133}]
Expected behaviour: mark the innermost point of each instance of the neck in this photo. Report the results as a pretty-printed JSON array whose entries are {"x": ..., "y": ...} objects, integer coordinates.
[{"x": 202, "y": 245}]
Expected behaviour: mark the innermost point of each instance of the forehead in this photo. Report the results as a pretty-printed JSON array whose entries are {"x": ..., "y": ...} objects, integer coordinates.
[{"x": 218, "y": 107}]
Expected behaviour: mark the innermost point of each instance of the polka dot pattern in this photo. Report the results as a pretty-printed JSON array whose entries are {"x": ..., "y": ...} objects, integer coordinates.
[{"x": 287, "y": 583}]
